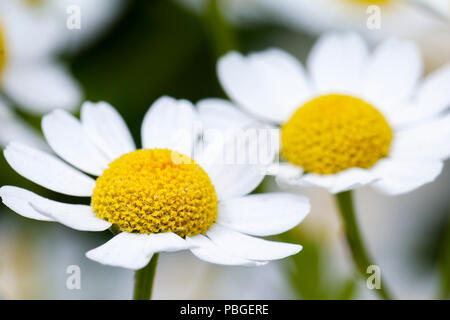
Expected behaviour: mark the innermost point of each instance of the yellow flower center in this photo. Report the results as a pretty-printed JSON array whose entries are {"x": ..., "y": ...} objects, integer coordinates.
[
  {"x": 2, "y": 51},
  {"x": 335, "y": 132},
  {"x": 151, "y": 191},
  {"x": 369, "y": 2},
  {"x": 34, "y": 3}
]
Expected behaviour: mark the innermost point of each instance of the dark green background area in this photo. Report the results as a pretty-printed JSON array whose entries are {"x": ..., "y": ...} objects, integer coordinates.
[{"x": 156, "y": 49}]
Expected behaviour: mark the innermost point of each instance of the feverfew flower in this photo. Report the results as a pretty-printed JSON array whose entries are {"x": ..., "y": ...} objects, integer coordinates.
[
  {"x": 13, "y": 128},
  {"x": 375, "y": 19},
  {"x": 29, "y": 73},
  {"x": 353, "y": 118},
  {"x": 323, "y": 15},
  {"x": 96, "y": 16},
  {"x": 157, "y": 198}
]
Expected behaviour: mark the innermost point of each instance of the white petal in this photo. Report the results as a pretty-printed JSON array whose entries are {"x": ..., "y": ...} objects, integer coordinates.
[
  {"x": 107, "y": 129},
  {"x": 336, "y": 62},
  {"x": 134, "y": 251},
  {"x": 433, "y": 98},
  {"x": 67, "y": 137},
  {"x": 392, "y": 73},
  {"x": 13, "y": 199},
  {"x": 263, "y": 214},
  {"x": 248, "y": 247},
  {"x": 12, "y": 128},
  {"x": 401, "y": 176},
  {"x": 221, "y": 114},
  {"x": 234, "y": 180},
  {"x": 166, "y": 242},
  {"x": 29, "y": 204},
  {"x": 429, "y": 140},
  {"x": 207, "y": 251},
  {"x": 343, "y": 181},
  {"x": 286, "y": 174},
  {"x": 29, "y": 34},
  {"x": 126, "y": 250},
  {"x": 170, "y": 124},
  {"x": 97, "y": 18},
  {"x": 236, "y": 165},
  {"x": 78, "y": 217},
  {"x": 48, "y": 171},
  {"x": 434, "y": 94},
  {"x": 41, "y": 87},
  {"x": 270, "y": 84}
]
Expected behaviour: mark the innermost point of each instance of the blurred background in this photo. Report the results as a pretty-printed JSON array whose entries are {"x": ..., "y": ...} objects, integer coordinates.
[{"x": 129, "y": 53}]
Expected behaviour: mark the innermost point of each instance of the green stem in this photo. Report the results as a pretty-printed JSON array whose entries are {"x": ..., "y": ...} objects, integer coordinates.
[
  {"x": 143, "y": 280},
  {"x": 360, "y": 256},
  {"x": 220, "y": 32}
]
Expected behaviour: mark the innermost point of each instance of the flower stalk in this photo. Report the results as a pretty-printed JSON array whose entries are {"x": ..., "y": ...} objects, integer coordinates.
[
  {"x": 144, "y": 278},
  {"x": 221, "y": 34},
  {"x": 360, "y": 255}
]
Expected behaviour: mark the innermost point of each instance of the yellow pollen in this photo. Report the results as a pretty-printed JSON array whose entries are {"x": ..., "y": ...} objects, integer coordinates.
[
  {"x": 2, "y": 51},
  {"x": 151, "y": 191},
  {"x": 34, "y": 3},
  {"x": 335, "y": 132},
  {"x": 369, "y": 2}
]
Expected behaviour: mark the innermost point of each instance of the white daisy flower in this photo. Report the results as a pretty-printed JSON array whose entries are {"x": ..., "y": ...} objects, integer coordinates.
[
  {"x": 29, "y": 73},
  {"x": 353, "y": 118},
  {"x": 157, "y": 203},
  {"x": 12, "y": 128},
  {"x": 96, "y": 16},
  {"x": 321, "y": 15},
  {"x": 430, "y": 28}
]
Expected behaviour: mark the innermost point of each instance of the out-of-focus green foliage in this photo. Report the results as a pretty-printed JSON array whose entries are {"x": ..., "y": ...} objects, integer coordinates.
[
  {"x": 308, "y": 274},
  {"x": 156, "y": 49}
]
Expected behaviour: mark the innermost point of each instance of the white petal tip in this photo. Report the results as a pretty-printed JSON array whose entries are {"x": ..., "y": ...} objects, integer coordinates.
[{"x": 96, "y": 256}]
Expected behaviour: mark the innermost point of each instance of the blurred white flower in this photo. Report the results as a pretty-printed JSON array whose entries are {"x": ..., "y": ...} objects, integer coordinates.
[
  {"x": 32, "y": 34},
  {"x": 29, "y": 72},
  {"x": 157, "y": 204},
  {"x": 13, "y": 128},
  {"x": 430, "y": 27},
  {"x": 96, "y": 16},
  {"x": 396, "y": 15},
  {"x": 354, "y": 119}
]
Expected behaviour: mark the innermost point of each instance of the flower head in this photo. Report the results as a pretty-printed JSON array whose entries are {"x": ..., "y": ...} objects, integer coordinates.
[
  {"x": 149, "y": 191},
  {"x": 335, "y": 132},
  {"x": 353, "y": 119},
  {"x": 29, "y": 74},
  {"x": 160, "y": 197}
]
